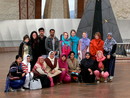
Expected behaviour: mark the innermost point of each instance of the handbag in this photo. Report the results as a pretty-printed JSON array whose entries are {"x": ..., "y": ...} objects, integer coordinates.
[{"x": 35, "y": 83}]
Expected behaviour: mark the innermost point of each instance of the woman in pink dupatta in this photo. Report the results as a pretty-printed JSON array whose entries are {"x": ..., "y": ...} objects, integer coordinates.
[
  {"x": 102, "y": 68},
  {"x": 39, "y": 69},
  {"x": 64, "y": 76}
]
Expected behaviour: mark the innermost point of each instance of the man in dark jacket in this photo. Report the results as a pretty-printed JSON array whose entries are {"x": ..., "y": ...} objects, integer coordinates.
[
  {"x": 52, "y": 42},
  {"x": 42, "y": 39}
]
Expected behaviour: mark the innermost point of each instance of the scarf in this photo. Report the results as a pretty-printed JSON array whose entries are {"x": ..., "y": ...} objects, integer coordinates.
[
  {"x": 28, "y": 65},
  {"x": 100, "y": 59},
  {"x": 84, "y": 42},
  {"x": 65, "y": 41},
  {"x": 108, "y": 45},
  {"x": 74, "y": 39},
  {"x": 63, "y": 64},
  {"x": 39, "y": 65}
]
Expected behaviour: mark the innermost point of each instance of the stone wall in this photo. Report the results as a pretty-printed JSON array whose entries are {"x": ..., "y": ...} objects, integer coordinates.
[
  {"x": 9, "y": 9},
  {"x": 121, "y": 8}
]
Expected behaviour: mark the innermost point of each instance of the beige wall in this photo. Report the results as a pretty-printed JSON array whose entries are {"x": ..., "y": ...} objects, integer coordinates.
[
  {"x": 9, "y": 9},
  {"x": 121, "y": 8}
]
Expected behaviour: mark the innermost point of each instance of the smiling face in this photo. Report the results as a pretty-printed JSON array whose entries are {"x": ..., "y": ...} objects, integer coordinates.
[
  {"x": 72, "y": 56},
  {"x": 96, "y": 36},
  {"x": 52, "y": 55},
  {"x": 34, "y": 35},
  {"x": 63, "y": 58},
  {"x": 84, "y": 35},
  {"x": 65, "y": 35},
  {"x": 41, "y": 60},
  {"x": 28, "y": 59},
  {"x": 109, "y": 37},
  {"x": 99, "y": 54},
  {"x": 87, "y": 56},
  {"x": 52, "y": 33},
  {"x": 41, "y": 32},
  {"x": 73, "y": 33},
  {"x": 26, "y": 40},
  {"x": 19, "y": 60}
]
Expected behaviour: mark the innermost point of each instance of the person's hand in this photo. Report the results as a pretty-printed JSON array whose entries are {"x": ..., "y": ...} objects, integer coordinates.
[
  {"x": 63, "y": 69},
  {"x": 23, "y": 74},
  {"x": 53, "y": 71},
  {"x": 91, "y": 72},
  {"x": 102, "y": 72},
  {"x": 108, "y": 56},
  {"x": 55, "y": 52}
]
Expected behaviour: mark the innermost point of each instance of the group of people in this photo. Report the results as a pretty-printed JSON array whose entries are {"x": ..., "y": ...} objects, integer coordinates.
[{"x": 55, "y": 61}]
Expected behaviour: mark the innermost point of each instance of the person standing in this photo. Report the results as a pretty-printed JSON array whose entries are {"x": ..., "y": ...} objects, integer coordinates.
[
  {"x": 83, "y": 46},
  {"x": 52, "y": 43},
  {"x": 42, "y": 39},
  {"x": 96, "y": 44},
  {"x": 109, "y": 51},
  {"x": 35, "y": 47},
  {"x": 65, "y": 44},
  {"x": 74, "y": 42},
  {"x": 25, "y": 47}
]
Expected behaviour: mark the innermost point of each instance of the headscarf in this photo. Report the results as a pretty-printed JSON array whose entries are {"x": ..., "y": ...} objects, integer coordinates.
[
  {"x": 65, "y": 41},
  {"x": 100, "y": 59},
  {"x": 38, "y": 64},
  {"x": 26, "y": 62},
  {"x": 52, "y": 60},
  {"x": 108, "y": 45},
  {"x": 63, "y": 64},
  {"x": 87, "y": 63},
  {"x": 84, "y": 42},
  {"x": 74, "y": 39}
]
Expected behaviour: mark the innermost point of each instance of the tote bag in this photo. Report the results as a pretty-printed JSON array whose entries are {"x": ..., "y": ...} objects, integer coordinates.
[{"x": 35, "y": 83}]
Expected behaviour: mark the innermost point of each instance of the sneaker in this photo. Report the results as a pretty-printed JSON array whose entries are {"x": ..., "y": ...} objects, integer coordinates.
[
  {"x": 21, "y": 89},
  {"x": 110, "y": 78},
  {"x": 11, "y": 90},
  {"x": 98, "y": 82},
  {"x": 105, "y": 81}
]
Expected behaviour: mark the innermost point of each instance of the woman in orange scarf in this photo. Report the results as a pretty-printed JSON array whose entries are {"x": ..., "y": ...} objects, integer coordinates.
[{"x": 96, "y": 44}]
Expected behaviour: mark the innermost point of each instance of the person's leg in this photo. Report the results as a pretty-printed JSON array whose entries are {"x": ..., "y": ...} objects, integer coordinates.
[
  {"x": 112, "y": 67},
  {"x": 62, "y": 75},
  {"x": 51, "y": 80},
  {"x": 97, "y": 74},
  {"x": 26, "y": 84},
  {"x": 105, "y": 75},
  {"x": 29, "y": 76},
  {"x": 67, "y": 79}
]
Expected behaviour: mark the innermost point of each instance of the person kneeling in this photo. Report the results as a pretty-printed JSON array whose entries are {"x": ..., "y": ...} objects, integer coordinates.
[
  {"x": 16, "y": 77},
  {"x": 64, "y": 76},
  {"x": 87, "y": 68},
  {"x": 101, "y": 71},
  {"x": 40, "y": 72}
]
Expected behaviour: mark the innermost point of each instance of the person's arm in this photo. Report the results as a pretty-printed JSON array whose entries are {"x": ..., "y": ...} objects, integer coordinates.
[
  {"x": 77, "y": 64},
  {"x": 57, "y": 44},
  {"x": 57, "y": 66},
  {"x": 46, "y": 45},
  {"x": 40, "y": 71},
  {"x": 113, "y": 49},
  {"x": 60, "y": 50},
  {"x": 20, "y": 49}
]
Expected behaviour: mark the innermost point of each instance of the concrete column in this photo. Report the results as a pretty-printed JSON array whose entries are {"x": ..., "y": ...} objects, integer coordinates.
[{"x": 56, "y": 9}]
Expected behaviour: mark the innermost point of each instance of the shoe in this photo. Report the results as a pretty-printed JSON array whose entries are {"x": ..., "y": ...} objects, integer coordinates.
[
  {"x": 111, "y": 78},
  {"x": 98, "y": 82},
  {"x": 105, "y": 81},
  {"x": 11, "y": 90},
  {"x": 25, "y": 88},
  {"x": 21, "y": 89}
]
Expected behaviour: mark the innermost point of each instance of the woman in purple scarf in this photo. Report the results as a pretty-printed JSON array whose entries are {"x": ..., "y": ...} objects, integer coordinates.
[{"x": 83, "y": 46}]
